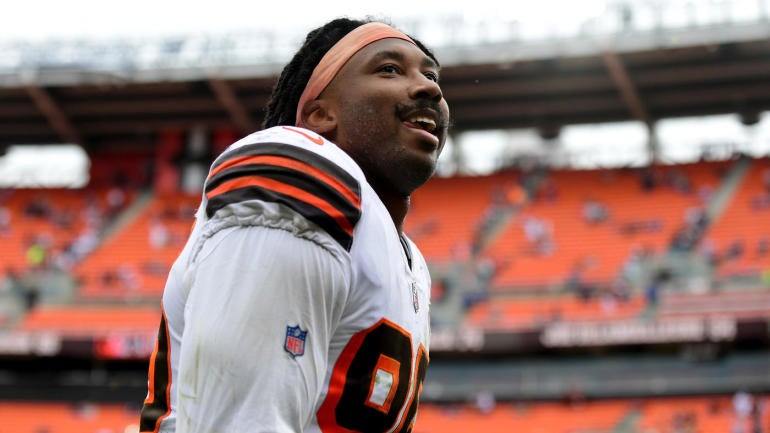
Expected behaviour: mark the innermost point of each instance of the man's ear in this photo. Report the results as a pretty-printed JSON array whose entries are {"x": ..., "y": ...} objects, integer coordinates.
[{"x": 318, "y": 117}]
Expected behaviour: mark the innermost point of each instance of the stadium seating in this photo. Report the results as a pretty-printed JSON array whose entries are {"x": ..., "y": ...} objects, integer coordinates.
[
  {"x": 711, "y": 414},
  {"x": 543, "y": 279},
  {"x": 544, "y": 417},
  {"x": 739, "y": 229},
  {"x": 50, "y": 417},
  {"x": 446, "y": 214},
  {"x": 152, "y": 241},
  {"x": 534, "y": 311},
  {"x": 51, "y": 227},
  {"x": 91, "y": 320},
  {"x": 638, "y": 218},
  {"x": 702, "y": 414}
]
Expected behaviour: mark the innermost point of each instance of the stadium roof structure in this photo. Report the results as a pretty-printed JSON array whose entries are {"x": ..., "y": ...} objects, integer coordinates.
[{"x": 632, "y": 75}]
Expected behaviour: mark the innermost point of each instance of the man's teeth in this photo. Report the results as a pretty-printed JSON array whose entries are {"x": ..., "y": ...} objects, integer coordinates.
[{"x": 427, "y": 123}]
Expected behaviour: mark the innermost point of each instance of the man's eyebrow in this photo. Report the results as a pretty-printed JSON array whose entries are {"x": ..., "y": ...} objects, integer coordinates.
[{"x": 399, "y": 57}]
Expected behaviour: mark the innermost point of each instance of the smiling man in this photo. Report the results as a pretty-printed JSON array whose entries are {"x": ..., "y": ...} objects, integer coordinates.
[{"x": 298, "y": 304}]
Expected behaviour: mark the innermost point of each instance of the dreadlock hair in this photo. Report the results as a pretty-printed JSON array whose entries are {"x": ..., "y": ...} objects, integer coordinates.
[{"x": 281, "y": 108}]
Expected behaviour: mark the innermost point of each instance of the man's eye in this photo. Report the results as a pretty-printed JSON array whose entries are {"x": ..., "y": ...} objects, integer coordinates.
[
  {"x": 391, "y": 69},
  {"x": 432, "y": 76}
]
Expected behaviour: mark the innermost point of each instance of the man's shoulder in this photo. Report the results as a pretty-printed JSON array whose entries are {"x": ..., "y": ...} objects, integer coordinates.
[
  {"x": 287, "y": 139},
  {"x": 293, "y": 167}
]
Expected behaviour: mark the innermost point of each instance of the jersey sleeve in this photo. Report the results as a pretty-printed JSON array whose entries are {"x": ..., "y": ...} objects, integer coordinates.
[
  {"x": 304, "y": 180},
  {"x": 260, "y": 314}
]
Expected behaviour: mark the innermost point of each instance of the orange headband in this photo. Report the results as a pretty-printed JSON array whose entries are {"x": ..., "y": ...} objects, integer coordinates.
[{"x": 338, "y": 55}]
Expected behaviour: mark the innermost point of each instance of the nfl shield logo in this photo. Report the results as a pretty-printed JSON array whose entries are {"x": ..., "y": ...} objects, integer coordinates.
[{"x": 295, "y": 341}]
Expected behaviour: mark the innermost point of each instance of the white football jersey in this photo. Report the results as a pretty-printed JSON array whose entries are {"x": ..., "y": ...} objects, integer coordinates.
[{"x": 295, "y": 305}]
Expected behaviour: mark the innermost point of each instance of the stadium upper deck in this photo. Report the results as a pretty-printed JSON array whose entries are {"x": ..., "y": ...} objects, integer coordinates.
[{"x": 124, "y": 94}]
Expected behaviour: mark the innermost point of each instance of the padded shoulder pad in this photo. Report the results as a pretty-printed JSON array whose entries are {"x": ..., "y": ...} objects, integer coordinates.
[{"x": 309, "y": 183}]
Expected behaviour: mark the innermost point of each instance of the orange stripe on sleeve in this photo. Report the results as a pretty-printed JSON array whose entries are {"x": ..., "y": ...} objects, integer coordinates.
[
  {"x": 283, "y": 188},
  {"x": 293, "y": 164}
]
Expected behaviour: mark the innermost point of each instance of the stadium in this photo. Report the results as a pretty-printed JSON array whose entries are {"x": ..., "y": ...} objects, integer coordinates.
[{"x": 597, "y": 234}]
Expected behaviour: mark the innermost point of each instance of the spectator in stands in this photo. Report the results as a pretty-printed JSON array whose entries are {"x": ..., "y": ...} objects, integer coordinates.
[
  {"x": 695, "y": 222},
  {"x": 297, "y": 292},
  {"x": 485, "y": 402},
  {"x": 743, "y": 403},
  {"x": 539, "y": 234},
  {"x": 63, "y": 219},
  {"x": 31, "y": 296},
  {"x": 547, "y": 191},
  {"x": 635, "y": 226},
  {"x": 37, "y": 207},
  {"x": 158, "y": 234},
  {"x": 92, "y": 213},
  {"x": 5, "y": 221},
  {"x": 37, "y": 254},
  {"x": 25, "y": 289},
  {"x": 680, "y": 182},
  {"x": 653, "y": 288},
  {"x": 594, "y": 211},
  {"x": 13, "y": 283},
  {"x": 735, "y": 250},
  {"x": 116, "y": 200},
  {"x": 647, "y": 179},
  {"x": 86, "y": 241}
]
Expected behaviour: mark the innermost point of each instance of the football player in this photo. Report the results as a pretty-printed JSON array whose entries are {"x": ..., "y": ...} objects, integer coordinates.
[{"x": 298, "y": 304}]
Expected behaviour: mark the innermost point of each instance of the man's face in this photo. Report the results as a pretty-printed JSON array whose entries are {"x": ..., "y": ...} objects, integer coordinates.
[{"x": 391, "y": 117}]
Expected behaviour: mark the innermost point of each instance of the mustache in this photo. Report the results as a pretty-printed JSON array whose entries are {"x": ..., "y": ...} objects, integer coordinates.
[{"x": 444, "y": 121}]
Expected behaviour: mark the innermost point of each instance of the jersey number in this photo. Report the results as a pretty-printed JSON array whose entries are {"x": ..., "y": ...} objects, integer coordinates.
[{"x": 370, "y": 384}]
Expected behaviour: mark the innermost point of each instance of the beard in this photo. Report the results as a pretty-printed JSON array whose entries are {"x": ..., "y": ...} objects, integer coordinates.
[{"x": 388, "y": 164}]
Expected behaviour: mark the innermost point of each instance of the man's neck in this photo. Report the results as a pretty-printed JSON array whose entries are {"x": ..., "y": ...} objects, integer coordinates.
[{"x": 397, "y": 206}]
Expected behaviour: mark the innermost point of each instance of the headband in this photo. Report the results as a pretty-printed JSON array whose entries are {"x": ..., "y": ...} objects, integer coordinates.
[{"x": 338, "y": 55}]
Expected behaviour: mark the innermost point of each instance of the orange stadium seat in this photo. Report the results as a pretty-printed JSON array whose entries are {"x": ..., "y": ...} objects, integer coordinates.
[
  {"x": 703, "y": 414},
  {"x": 53, "y": 218},
  {"x": 700, "y": 414},
  {"x": 91, "y": 320},
  {"x": 512, "y": 314},
  {"x": 740, "y": 222},
  {"x": 135, "y": 261},
  {"x": 598, "y": 251},
  {"x": 542, "y": 417},
  {"x": 446, "y": 212},
  {"x": 50, "y": 417}
]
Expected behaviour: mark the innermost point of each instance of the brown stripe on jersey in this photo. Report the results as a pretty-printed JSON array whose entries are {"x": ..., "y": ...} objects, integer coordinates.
[
  {"x": 267, "y": 164},
  {"x": 329, "y": 218},
  {"x": 157, "y": 405},
  {"x": 306, "y": 182},
  {"x": 292, "y": 152}
]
